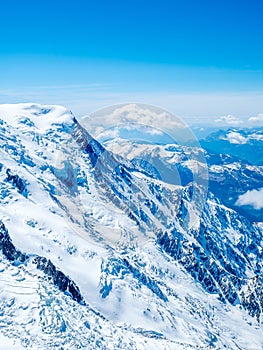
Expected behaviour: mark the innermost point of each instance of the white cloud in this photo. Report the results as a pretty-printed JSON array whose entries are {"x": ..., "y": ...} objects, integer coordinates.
[
  {"x": 229, "y": 119},
  {"x": 145, "y": 115},
  {"x": 254, "y": 198},
  {"x": 102, "y": 134},
  {"x": 236, "y": 138},
  {"x": 149, "y": 119},
  {"x": 256, "y": 119},
  {"x": 143, "y": 128}
]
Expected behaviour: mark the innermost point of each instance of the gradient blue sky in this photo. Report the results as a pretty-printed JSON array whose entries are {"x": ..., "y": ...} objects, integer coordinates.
[{"x": 196, "y": 58}]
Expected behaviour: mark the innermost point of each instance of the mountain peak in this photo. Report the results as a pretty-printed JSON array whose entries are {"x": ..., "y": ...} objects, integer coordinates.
[{"x": 36, "y": 116}]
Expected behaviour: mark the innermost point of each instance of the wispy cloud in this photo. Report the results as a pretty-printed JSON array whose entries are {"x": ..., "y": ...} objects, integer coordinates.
[
  {"x": 229, "y": 120},
  {"x": 190, "y": 107},
  {"x": 37, "y": 90},
  {"x": 256, "y": 119},
  {"x": 92, "y": 86}
]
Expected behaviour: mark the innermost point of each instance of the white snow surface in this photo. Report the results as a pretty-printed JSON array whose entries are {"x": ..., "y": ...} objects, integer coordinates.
[{"x": 34, "y": 138}]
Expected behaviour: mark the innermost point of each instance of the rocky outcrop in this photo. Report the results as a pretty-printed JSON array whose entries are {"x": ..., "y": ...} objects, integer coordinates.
[{"x": 60, "y": 280}]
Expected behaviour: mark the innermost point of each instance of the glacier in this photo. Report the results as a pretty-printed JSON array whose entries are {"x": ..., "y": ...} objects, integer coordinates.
[{"x": 99, "y": 252}]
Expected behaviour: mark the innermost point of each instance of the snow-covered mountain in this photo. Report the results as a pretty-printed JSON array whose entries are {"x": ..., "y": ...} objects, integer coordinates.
[
  {"x": 100, "y": 252},
  {"x": 230, "y": 178},
  {"x": 246, "y": 144}
]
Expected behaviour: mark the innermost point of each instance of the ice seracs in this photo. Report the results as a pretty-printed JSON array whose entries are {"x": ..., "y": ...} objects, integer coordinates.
[{"x": 152, "y": 273}]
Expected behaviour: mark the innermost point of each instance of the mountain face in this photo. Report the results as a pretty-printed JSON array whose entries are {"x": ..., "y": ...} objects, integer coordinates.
[
  {"x": 229, "y": 176},
  {"x": 235, "y": 159},
  {"x": 99, "y": 250}
]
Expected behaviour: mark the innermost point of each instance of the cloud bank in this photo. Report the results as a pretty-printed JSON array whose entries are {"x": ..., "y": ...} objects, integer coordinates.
[
  {"x": 253, "y": 198},
  {"x": 236, "y": 138}
]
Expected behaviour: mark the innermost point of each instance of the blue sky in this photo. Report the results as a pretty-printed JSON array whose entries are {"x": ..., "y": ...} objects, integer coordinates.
[{"x": 196, "y": 58}]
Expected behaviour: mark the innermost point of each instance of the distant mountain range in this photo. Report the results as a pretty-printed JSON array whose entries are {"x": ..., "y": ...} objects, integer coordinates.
[{"x": 245, "y": 144}]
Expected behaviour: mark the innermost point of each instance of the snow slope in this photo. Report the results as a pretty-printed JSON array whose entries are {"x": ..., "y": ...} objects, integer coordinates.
[{"x": 151, "y": 272}]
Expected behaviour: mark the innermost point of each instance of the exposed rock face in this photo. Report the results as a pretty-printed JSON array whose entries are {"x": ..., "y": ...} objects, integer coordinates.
[
  {"x": 62, "y": 282},
  {"x": 7, "y": 247}
]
